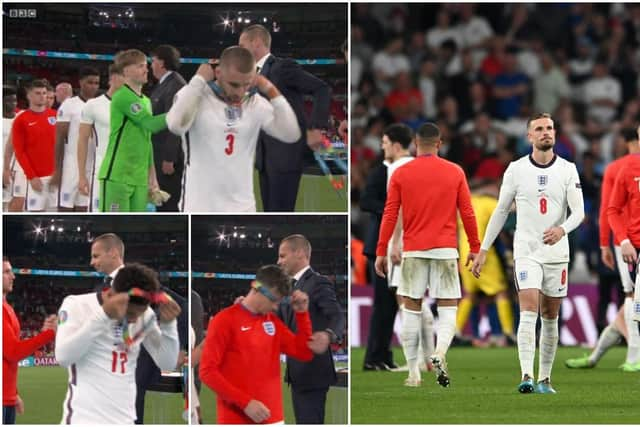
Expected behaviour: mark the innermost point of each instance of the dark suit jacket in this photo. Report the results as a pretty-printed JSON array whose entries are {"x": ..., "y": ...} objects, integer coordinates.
[
  {"x": 325, "y": 312},
  {"x": 372, "y": 201},
  {"x": 272, "y": 155},
  {"x": 166, "y": 146},
  {"x": 147, "y": 372}
]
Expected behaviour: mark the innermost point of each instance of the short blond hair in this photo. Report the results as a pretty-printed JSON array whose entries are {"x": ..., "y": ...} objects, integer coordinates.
[
  {"x": 260, "y": 32},
  {"x": 240, "y": 57},
  {"x": 129, "y": 57}
]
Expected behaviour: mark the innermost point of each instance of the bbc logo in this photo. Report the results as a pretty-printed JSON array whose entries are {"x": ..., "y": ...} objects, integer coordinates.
[{"x": 23, "y": 13}]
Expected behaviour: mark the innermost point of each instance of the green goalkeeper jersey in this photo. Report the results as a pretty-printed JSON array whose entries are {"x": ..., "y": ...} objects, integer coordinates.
[{"x": 129, "y": 155}]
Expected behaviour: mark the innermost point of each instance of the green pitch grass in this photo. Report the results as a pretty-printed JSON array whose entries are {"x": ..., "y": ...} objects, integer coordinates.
[
  {"x": 335, "y": 412},
  {"x": 483, "y": 391},
  {"x": 314, "y": 195},
  {"x": 43, "y": 390}
]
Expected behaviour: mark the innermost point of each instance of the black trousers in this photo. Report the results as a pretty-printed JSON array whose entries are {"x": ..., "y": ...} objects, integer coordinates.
[
  {"x": 308, "y": 405},
  {"x": 172, "y": 184},
  {"x": 279, "y": 191},
  {"x": 8, "y": 415},
  {"x": 383, "y": 316},
  {"x": 607, "y": 283}
]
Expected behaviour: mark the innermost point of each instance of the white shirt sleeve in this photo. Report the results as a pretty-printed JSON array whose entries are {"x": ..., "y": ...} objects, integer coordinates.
[
  {"x": 86, "y": 115},
  {"x": 283, "y": 124},
  {"x": 64, "y": 111},
  {"x": 163, "y": 344},
  {"x": 575, "y": 202},
  {"x": 77, "y": 331},
  {"x": 185, "y": 106},
  {"x": 500, "y": 214}
]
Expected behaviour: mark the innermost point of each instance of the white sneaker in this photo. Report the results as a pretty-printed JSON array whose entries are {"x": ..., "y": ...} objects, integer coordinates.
[{"x": 403, "y": 368}]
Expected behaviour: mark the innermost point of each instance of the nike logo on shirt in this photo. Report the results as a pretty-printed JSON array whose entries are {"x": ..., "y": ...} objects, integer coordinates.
[
  {"x": 33, "y": 123},
  {"x": 245, "y": 328}
]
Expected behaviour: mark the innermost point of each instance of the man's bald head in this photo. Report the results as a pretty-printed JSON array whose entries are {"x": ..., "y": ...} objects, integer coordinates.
[{"x": 63, "y": 91}]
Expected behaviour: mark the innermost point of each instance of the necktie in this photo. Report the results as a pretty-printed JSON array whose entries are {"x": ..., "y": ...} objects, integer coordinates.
[
  {"x": 258, "y": 68},
  {"x": 107, "y": 281}
]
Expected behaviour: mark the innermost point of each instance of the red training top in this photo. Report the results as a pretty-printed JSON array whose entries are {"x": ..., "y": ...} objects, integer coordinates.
[
  {"x": 14, "y": 350},
  {"x": 34, "y": 141},
  {"x": 241, "y": 360},
  {"x": 626, "y": 194},
  {"x": 610, "y": 175},
  {"x": 430, "y": 190}
]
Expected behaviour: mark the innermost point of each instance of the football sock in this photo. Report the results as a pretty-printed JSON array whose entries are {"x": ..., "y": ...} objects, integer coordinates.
[
  {"x": 505, "y": 313},
  {"x": 446, "y": 328},
  {"x": 548, "y": 347},
  {"x": 608, "y": 338},
  {"x": 527, "y": 341},
  {"x": 426, "y": 331},
  {"x": 633, "y": 348},
  {"x": 410, "y": 339}
]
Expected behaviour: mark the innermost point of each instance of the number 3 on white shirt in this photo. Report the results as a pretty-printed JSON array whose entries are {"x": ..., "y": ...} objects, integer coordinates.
[{"x": 230, "y": 139}]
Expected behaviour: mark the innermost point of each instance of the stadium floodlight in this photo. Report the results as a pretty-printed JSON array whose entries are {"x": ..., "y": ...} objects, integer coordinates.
[
  {"x": 239, "y": 18},
  {"x": 60, "y": 229},
  {"x": 78, "y": 229},
  {"x": 264, "y": 19},
  {"x": 247, "y": 20},
  {"x": 52, "y": 228},
  {"x": 243, "y": 236},
  {"x": 259, "y": 235},
  {"x": 235, "y": 234},
  {"x": 221, "y": 237}
]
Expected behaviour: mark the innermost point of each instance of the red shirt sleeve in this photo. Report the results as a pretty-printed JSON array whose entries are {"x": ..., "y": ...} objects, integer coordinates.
[
  {"x": 215, "y": 346},
  {"x": 18, "y": 139},
  {"x": 615, "y": 210},
  {"x": 13, "y": 349},
  {"x": 467, "y": 215},
  {"x": 605, "y": 196},
  {"x": 296, "y": 345},
  {"x": 390, "y": 215}
]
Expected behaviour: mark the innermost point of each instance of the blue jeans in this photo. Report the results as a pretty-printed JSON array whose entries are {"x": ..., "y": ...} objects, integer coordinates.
[{"x": 8, "y": 414}]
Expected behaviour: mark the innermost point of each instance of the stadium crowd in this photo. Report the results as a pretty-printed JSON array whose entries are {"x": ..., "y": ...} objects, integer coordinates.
[{"x": 478, "y": 72}]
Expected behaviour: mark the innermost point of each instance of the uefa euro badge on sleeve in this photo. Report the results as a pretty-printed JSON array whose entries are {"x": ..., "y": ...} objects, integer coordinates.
[
  {"x": 269, "y": 328},
  {"x": 233, "y": 113}
]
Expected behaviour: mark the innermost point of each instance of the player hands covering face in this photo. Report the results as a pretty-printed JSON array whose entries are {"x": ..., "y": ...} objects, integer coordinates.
[{"x": 132, "y": 292}]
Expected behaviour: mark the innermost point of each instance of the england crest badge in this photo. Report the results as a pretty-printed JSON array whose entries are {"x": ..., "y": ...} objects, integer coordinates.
[{"x": 269, "y": 328}]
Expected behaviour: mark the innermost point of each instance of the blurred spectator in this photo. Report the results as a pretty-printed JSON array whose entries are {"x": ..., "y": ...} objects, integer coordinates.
[
  {"x": 428, "y": 87},
  {"x": 443, "y": 31},
  {"x": 550, "y": 87},
  {"x": 510, "y": 88},
  {"x": 602, "y": 94},
  {"x": 401, "y": 96},
  {"x": 475, "y": 32},
  {"x": 388, "y": 63}
]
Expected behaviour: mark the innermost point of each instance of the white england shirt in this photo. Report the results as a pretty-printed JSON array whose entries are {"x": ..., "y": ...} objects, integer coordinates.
[
  {"x": 7, "y": 124},
  {"x": 69, "y": 112},
  {"x": 220, "y": 146},
  {"x": 6, "y": 131},
  {"x": 97, "y": 113},
  {"x": 102, "y": 379},
  {"x": 542, "y": 194}
]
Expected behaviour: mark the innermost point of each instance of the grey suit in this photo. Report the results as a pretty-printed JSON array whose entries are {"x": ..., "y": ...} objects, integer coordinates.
[{"x": 167, "y": 146}]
